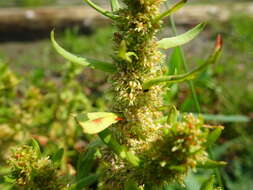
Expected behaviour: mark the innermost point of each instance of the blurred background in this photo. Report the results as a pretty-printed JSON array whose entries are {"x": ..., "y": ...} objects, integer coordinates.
[{"x": 39, "y": 90}]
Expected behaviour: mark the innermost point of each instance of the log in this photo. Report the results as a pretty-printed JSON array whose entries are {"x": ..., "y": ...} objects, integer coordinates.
[
  {"x": 217, "y": 12},
  {"x": 28, "y": 24},
  {"x": 39, "y": 21}
]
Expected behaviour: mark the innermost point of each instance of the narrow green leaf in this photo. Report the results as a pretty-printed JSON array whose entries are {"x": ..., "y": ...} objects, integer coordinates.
[
  {"x": 103, "y": 66},
  {"x": 212, "y": 59},
  {"x": 213, "y": 136},
  {"x": 115, "y": 5},
  {"x": 208, "y": 184},
  {"x": 101, "y": 10},
  {"x": 181, "y": 39},
  {"x": 36, "y": 146},
  {"x": 171, "y": 10},
  {"x": 85, "y": 163},
  {"x": 210, "y": 164},
  {"x": 131, "y": 185},
  {"x": 107, "y": 137},
  {"x": 85, "y": 182},
  {"x": 96, "y": 122},
  {"x": 57, "y": 157}
]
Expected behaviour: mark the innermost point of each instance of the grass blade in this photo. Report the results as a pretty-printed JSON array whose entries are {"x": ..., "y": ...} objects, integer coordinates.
[{"x": 227, "y": 118}]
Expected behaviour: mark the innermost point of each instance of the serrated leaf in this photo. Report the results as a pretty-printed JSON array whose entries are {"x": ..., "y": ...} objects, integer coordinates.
[
  {"x": 208, "y": 184},
  {"x": 213, "y": 136},
  {"x": 96, "y": 122},
  {"x": 57, "y": 157},
  {"x": 103, "y": 66},
  {"x": 210, "y": 164},
  {"x": 179, "y": 40}
]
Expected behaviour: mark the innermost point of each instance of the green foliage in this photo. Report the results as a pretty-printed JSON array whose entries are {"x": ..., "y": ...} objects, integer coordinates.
[
  {"x": 137, "y": 149},
  {"x": 167, "y": 43},
  {"x": 107, "y": 67},
  {"x": 42, "y": 111},
  {"x": 208, "y": 184}
]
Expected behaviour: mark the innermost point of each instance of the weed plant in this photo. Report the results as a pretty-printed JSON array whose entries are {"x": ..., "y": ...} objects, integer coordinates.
[
  {"x": 146, "y": 145},
  {"x": 138, "y": 144}
]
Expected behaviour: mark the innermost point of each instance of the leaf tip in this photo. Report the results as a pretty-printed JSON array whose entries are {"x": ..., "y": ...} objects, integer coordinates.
[
  {"x": 52, "y": 34},
  {"x": 119, "y": 119},
  {"x": 218, "y": 43}
]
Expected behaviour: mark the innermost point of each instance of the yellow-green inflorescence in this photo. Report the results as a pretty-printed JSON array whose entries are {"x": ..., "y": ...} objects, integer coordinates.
[
  {"x": 32, "y": 171},
  {"x": 167, "y": 151}
]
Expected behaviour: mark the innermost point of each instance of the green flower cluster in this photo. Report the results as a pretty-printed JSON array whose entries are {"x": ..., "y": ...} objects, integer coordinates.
[{"x": 31, "y": 170}]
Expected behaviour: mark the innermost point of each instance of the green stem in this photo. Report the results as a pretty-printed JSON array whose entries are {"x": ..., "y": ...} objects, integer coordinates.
[
  {"x": 171, "y": 10},
  {"x": 186, "y": 68},
  {"x": 101, "y": 10},
  {"x": 216, "y": 170},
  {"x": 179, "y": 78},
  {"x": 107, "y": 137},
  {"x": 114, "y": 5}
]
